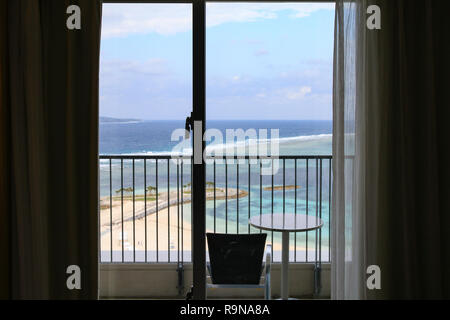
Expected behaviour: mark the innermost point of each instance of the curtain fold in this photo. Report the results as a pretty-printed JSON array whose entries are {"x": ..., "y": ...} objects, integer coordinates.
[
  {"x": 391, "y": 204},
  {"x": 50, "y": 147},
  {"x": 4, "y": 161}
]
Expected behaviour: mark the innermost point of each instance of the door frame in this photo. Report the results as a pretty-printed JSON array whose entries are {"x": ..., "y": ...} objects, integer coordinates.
[
  {"x": 199, "y": 169},
  {"x": 199, "y": 114}
]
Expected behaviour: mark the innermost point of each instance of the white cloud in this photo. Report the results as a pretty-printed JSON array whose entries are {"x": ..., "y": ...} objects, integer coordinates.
[
  {"x": 123, "y": 19},
  {"x": 261, "y": 52},
  {"x": 143, "y": 89},
  {"x": 261, "y": 95},
  {"x": 219, "y": 13},
  {"x": 295, "y": 94},
  {"x": 155, "y": 67},
  {"x": 151, "y": 90}
]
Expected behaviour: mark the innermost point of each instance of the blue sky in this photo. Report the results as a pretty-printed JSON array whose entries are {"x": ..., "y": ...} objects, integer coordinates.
[{"x": 263, "y": 61}]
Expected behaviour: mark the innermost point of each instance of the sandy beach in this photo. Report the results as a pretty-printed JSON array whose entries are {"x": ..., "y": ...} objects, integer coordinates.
[
  {"x": 167, "y": 228},
  {"x": 162, "y": 222}
]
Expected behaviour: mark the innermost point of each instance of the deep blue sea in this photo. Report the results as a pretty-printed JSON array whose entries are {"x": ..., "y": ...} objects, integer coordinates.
[
  {"x": 295, "y": 138},
  {"x": 154, "y": 137}
]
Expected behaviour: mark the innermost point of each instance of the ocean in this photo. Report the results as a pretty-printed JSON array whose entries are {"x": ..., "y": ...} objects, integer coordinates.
[
  {"x": 154, "y": 137},
  {"x": 299, "y": 137}
]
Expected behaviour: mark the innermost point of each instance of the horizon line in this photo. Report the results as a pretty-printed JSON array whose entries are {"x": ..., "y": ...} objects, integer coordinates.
[{"x": 137, "y": 119}]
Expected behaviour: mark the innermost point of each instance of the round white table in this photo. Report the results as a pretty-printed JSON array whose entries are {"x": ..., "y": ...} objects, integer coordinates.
[{"x": 285, "y": 223}]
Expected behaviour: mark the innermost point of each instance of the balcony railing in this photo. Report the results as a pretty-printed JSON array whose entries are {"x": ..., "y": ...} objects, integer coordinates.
[{"x": 145, "y": 211}]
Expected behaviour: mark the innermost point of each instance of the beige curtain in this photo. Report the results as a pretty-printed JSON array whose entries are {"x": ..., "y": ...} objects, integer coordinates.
[
  {"x": 391, "y": 150},
  {"x": 49, "y": 146},
  {"x": 4, "y": 162}
]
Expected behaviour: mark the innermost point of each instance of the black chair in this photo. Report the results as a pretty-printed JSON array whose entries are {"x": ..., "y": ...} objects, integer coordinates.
[{"x": 236, "y": 261}]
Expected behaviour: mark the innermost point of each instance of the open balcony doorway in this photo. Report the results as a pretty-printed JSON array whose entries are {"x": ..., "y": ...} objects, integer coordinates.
[{"x": 268, "y": 66}]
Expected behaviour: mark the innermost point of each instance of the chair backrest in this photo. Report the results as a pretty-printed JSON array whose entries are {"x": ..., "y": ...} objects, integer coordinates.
[{"x": 236, "y": 258}]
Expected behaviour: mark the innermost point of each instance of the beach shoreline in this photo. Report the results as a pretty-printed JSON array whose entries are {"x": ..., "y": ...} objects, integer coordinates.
[
  {"x": 161, "y": 220},
  {"x": 161, "y": 230}
]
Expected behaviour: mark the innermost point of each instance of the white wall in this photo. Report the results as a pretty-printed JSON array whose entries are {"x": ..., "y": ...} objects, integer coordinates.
[{"x": 139, "y": 280}]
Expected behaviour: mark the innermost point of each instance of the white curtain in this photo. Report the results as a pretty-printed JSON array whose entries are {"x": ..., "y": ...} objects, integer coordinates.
[{"x": 350, "y": 252}]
